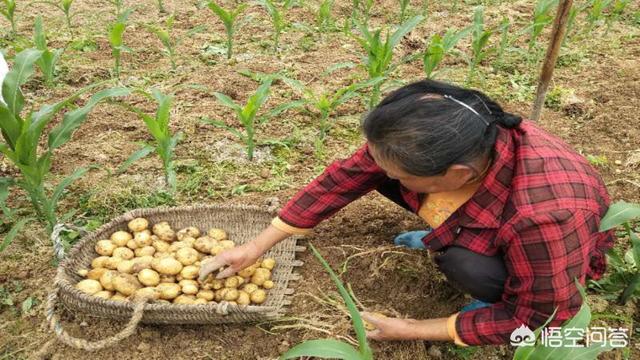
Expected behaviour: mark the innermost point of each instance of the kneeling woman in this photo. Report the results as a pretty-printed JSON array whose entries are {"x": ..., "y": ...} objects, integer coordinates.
[{"x": 512, "y": 211}]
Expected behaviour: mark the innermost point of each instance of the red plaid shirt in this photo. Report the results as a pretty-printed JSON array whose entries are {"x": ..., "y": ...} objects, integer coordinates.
[{"x": 539, "y": 205}]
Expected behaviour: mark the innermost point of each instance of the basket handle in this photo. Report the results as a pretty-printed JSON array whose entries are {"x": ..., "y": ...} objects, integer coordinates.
[{"x": 64, "y": 337}]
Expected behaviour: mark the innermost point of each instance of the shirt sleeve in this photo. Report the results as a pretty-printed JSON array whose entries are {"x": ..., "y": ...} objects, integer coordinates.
[
  {"x": 341, "y": 183},
  {"x": 543, "y": 255}
]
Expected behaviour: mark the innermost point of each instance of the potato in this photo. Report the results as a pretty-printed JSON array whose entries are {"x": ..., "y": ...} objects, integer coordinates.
[
  {"x": 126, "y": 284},
  {"x": 177, "y": 245},
  {"x": 217, "y": 234},
  {"x": 205, "y": 294},
  {"x": 164, "y": 232},
  {"x": 104, "y": 294},
  {"x": 199, "y": 302},
  {"x": 125, "y": 266},
  {"x": 217, "y": 284},
  {"x": 146, "y": 293},
  {"x": 123, "y": 253},
  {"x": 161, "y": 246},
  {"x": 258, "y": 296},
  {"x": 188, "y": 240},
  {"x": 190, "y": 272},
  {"x": 106, "y": 280},
  {"x": 227, "y": 244},
  {"x": 118, "y": 297},
  {"x": 268, "y": 284},
  {"x": 138, "y": 224},
  {"x": 249, "y": 288},
  {"x": 243, "y": 298},
  {"x": 189, "y": 288},
  {"x": 231, "y": 295},
  {"x": 231, "y": 282},
  {"x": 167, "y": 278},
  {"x": 190, "y": 231},
  {"x": 95, "y": 274},
  {"x": 166, "y": 266},
  {"x": 160, "y": 254},
  {"x": 132, "y": 244},
  {"x": 143, "y": 238},
  {"x": 216, "y": 249},
  {"x": 248, "y": 271},
  {"x": 89, "y": 286},
  {"x": 143, "y": 262},
  {"x": 112, "y": 262},
  {"x": 369, "y": 326},
  {"x": 184, "y": 300},
  {"x": 219, "y": 294},
  {"x": 268, "y": 263},
  {"x": 82, "y": 272},
  {"x": 203, "y": 244},
  {"x": 148, "y": 277},
  {"x": 120, "y": 238},
  {"x": 105, "y": 247},
  {"x": 260, "y": 276},
  {"x": 187, "y": 256},
  {"x": 144, "y": 251},
  {"x": 99, "y": 262}
]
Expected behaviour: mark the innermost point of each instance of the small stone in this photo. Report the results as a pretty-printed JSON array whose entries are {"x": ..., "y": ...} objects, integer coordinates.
[
  {"x": 84, "y": 324},
  {"x": 618, "y": 162},
  {"x": 144, "y": 347},
  {"x": 434, "y": 351},
  {"x": 283, "y": 346},
  {"x": 618, "y": 171},
  {"x": 265, "y": 173}
]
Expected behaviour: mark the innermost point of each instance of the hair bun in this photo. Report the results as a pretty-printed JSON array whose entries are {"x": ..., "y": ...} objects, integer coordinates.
[{"x": 509, "y": 121}]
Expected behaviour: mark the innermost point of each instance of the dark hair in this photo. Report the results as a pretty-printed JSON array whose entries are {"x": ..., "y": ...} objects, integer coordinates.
[{"x": 424, "y": 128}]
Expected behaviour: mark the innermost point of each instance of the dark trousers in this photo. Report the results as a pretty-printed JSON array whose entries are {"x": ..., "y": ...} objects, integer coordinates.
[{"x": 478, "y": 275}]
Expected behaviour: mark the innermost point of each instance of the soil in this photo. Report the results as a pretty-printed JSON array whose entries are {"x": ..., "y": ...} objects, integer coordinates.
[{"x": 597, "y": 115}]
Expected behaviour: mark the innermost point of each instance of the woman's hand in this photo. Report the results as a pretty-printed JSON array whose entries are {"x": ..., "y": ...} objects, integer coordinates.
[
  {"x": 388, "y": 328},
  {"x": 236, "y": 258}
]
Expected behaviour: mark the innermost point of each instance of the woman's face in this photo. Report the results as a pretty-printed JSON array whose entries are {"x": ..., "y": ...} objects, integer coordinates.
[{"x": 454, "y": 178}]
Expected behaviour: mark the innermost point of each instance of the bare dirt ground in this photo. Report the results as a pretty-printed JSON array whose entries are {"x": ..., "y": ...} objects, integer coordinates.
[{"x": 598, "y": 80}]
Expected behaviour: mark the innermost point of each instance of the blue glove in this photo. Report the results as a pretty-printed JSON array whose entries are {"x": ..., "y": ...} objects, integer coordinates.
[
  {"x": 411, "y": 239},
  {"x": 475, "y": 304}
]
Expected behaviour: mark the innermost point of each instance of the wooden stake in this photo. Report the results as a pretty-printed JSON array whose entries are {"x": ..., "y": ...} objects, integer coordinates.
[{"x": 557, "y": 36}]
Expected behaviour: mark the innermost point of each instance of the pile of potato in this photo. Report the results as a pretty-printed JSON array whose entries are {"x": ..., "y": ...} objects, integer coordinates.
[{"x": 163, "y": 265}]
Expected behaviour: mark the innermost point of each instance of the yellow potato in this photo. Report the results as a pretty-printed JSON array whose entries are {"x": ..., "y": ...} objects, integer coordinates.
[
  {"x": 148, "y": 277},
  {"x": 168, "y": 291},
  {"x": 203, "y": 244},
  {"x": 105, "y": 247},
  {"x": 205, "y": 294},
  {"x": 217, "y": 234},
  {"x": 82, "y": 272},
  {"x": 188, "y": 240},
  {"x": 258, "y": 296},
  {"x": 126, "y": 284},
  {"x": 106, "y": 280},
  {"x": 104, "y": 294},
  {"x": 217, "y": 284},
  {"x": 118, "y": 297},
  {"x": 167, "y": 278},
  {"x": 146, "y": 293},
  {"x": 190, "y": 231},
  {"x": 199, "y": 301},
  {"x": 126, "y": 266},
  {"x": 145, "y": 251},
  {"x": 143, "y": 238},
  {"x": 166, "y": 265},
  {"x": 231, "y": 295},
  {"x": 189, "y": 289},
  {"x": 184, "y": 300},
  {"x": 187, "y": 256},
  {"x": 139, "y": 263},
  {"x": 131, "y": 244},
  {"x": 123, "y": 253},
  {"x": 227, "y": 244},
  {"x": 95, "y": 274},
  {"x": 369, "y": 326},
  {"x": 268, "y": 263},
  {"x": 99, "y": 262},
  {"x": 113, "y": 262},
  {"x": 120, "y": 238},
  {"x": 248, "y": 271},
  {"x": 190, "y": 272},
  {"x": 243, "y": 298},
  {"x": 268, "y": 284},
  {"x": 249, "y": 288},
  {"x": 216, "y": 249},
  {"x": 138, "y": 224},
  {"x": 161, "y": 246},
  {"x": 231, "y": 282},
  {"x": 164, "y": 232},
  {"x": 89, "y": 286}
]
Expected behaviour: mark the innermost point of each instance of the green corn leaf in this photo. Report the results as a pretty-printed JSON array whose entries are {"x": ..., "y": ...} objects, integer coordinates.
[
  {"x": 339, "y": 66},
  {"x": 282, "y": 108},
  {"x": 10, "y": 126},
  {"x": 224, "y": 15},
  {"x": 59, "y": 189},
  {"x": 5, "y": 184},
  {"x": 137, "y": 155},
  {"x": 163, "y": 113},
  {"x": 115, "y": 35},
  {"x": 433, "y": 55},
  {"x": 19, "y": 74},
  {"x": 256, "y": 101},
  {"x": 404, "y": 29},
  {"x": 72, "y": 119},
  {"x": 226, "y": 101},
  {"x": 153, "y": 126},
  {"x": 631, "y": 289},
  {"x": 11, "y": 235},
  {"x": 619, "y": 213},
  {"x": 635, "y": 246},
  {"x": 349, "y": 92},
  {"x": 358, "y": 324},
  {"x": 328, "y": 349},
  {"x": 221, "y": 125}
]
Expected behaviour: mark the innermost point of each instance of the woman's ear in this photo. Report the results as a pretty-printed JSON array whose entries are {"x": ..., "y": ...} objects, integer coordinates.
[{"x": 464, "y": 173}]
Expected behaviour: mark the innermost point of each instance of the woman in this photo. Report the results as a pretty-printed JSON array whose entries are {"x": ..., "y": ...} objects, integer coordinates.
[{"x": 514, "y": 210}]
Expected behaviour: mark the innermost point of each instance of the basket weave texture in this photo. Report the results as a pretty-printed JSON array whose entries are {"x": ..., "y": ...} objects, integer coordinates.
[{"x": 242, "y": 223}]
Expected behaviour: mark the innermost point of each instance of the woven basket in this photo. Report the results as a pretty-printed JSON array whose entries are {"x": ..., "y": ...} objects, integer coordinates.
[{"x": 242, "y": 223}]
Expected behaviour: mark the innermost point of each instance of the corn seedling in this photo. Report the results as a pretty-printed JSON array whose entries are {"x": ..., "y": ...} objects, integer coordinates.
[
  {"x": 117, "y": 4},
  {"x": 330, "y": 348},
  {"x": 8, "y": 10},
  {"x": 116, "y": 32},
  {"x": 596, "y": 12},
  {"x": 380, "y": 53},
  {"x": 228, "y": 18},
  {"x": 48, "y": 59},
  {"x": 566, "y": 345},
  {"x": 361, "y": 11},
  {"x": 542, "y": 17},
  {"x": 246, "y": 115},
  {"x": 404, "y": 4},
  {"x": 164, "y": 142},
  {"x": 618, "y": 8},
  {"x": 62, "y": 5},
  {"x": 325, "y": 20},
  {"x": 169, "y": 41},
  {"x": 479, "y": 42},
  {"x": 161, "y": 8},
  {"x": 21, "y": 135},
  {"x": 277, "y": 20},
  {"x": 625, "y": 274},
  {"x": 324, "y": 103},
  {"x": 440, "y": 46}
]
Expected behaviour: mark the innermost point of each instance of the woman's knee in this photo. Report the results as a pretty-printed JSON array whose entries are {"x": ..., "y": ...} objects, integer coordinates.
[{"x": 479, "y": 275}]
